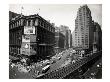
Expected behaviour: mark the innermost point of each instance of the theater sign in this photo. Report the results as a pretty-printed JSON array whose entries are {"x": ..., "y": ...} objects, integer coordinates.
[{"x": 29, "y": 30}]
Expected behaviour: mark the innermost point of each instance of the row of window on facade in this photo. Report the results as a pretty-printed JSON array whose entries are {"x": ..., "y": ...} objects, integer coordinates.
[
  {"x": 81, "y": 45},
  {"x": 84, "y": 19},
  {"x": 81, "y": 41},
  {"x": 14, "y": 50},
  {"x": 45, "y": 38},
  {"x": 82, "y": 35},
  {"x": 31, "y": 23},
  {"x": 83, "y": 8},
  {"x": 46, "y": 26},
  {"x": 15, "y": 38},
  {"x": 82, "y": 28},
  {"x": 16, "y": 24}
]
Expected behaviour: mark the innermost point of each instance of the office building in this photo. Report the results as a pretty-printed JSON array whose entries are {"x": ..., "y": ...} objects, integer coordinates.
[
  {"x": 59, "y": 41},
  {"x": 67, "y": 33},
  {"x": 97, "y": 45},
  {"x": 83, "y": 34}
]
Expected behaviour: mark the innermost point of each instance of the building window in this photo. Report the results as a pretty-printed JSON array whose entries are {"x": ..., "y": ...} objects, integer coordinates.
[
  {"x": 36, "y": 22},
  {"x": 42, "y": 23},
  {"x": 39, "y": 23},
  {"x": 31, "y": 22},
  {"x": 27, "y": 23},
  {"x": 50, "y": 29},
  {"x": 22, "y": 21},
  {"x": 13, "y": 25},
  {"x": 47, "y": 27},
  {"x": 19, "y": 23},
  {"x": 16, "y": 24}
]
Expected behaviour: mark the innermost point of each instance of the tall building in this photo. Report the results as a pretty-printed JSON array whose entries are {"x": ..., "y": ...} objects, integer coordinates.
[
  {"x": 59, "y": 41},
  {"x": 70, "y": 40},
  {"x": 67, "y": 33},
  {"x": 31, "y": 35},
  {"x": 97, "y": 45},
  {"x": 83, "y": 34},
  {"x": 73, "y": 39}
]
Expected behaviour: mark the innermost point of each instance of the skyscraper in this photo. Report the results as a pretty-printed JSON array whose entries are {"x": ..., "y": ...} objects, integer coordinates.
[
  {"x": 67, "y": 33},
  {"x": 59, "y": 40},
  {"x": 83, "y": 34},
  {"x": 97, "y": 45}
]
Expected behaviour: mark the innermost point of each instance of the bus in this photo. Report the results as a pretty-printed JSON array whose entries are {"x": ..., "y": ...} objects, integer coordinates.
[{"x": 45, "y": 69}]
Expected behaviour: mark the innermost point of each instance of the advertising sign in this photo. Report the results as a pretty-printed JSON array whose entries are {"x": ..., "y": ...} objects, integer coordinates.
[
  {"x": 25, "y": 48},
  {"x": 25, "y": 38},
  {"x": 29, "y": 30}
]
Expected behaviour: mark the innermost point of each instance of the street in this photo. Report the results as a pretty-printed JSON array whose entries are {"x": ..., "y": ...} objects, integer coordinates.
[{"x": 62, "y": 60}]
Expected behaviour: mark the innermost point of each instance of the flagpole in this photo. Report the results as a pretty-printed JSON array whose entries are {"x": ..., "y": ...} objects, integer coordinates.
[
  {"x": 38, "y": 11},
  {"x": 21, "y": 10}
]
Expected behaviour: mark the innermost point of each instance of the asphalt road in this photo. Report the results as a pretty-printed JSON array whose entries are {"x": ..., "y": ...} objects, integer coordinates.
[{"x": 59, "y": 63}]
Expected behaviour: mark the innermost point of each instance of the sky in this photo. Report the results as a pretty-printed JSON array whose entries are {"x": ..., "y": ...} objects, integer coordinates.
[{"x": 60, "y": 14}]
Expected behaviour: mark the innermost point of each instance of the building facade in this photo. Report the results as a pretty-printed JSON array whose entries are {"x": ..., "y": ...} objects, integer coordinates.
[
  {"x": 59, "y": 41},
  {"x": 97, "y": 45},
  {"x": 67, "y": 33},
  {"x": 13, "y": 15},
  {"x": 83, "y": 34},
  {"x": 31, "y": 35},
  {"x": 73, "y": 39}
]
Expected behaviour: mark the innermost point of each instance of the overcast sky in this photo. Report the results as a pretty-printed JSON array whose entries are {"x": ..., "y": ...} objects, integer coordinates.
[{"x": 60, "y": 14}]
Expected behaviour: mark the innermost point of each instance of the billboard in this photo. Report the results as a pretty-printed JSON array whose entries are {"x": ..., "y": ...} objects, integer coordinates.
[
  {"x": 29, "y": 30},
  {"x": 25, "y": 48},
  {"x": 25, "y": 38}
]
